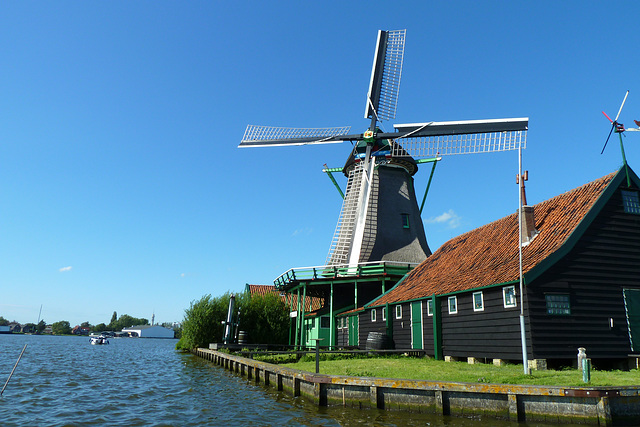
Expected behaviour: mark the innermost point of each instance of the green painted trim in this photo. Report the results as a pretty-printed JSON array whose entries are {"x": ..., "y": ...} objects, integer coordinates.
[
  {"x": 584, "y": 224},
  {"x": 389, "y": 321},
  {"x": 424, "y": 198},
  {"x": 332, "y": 329},
  {"x": 437, "y": 327},
  {"x": 329, "y": 173},
  {"x": 367, "y": 305},
  {"x": 430, "y": 160}
]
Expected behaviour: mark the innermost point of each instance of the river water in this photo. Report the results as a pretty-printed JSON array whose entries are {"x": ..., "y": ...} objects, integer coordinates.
[{"x": 66, "y": 381}]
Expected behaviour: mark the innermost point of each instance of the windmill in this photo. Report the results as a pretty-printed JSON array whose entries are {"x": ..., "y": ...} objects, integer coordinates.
[
  {"x": 619, "y": 129},
  {"x": 380, "y": 219}
]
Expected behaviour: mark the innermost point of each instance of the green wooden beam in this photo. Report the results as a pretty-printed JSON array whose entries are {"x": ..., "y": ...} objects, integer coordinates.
[
  {"x": 329, "y": 172},
  {"x": 437, "y": 328},
  {"x": 433, "y": 168},
  {"x": 624, "y": 160}
]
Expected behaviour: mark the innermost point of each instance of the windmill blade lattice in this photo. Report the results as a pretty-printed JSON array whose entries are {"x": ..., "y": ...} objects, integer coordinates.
[
  {"x": 382, "y": 98},
  {"x": 460, "y": 137},
  {"x": 270, "y": 136}
]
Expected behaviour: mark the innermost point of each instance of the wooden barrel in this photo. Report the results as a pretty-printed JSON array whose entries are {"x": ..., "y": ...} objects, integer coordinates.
[
  {"x": 378, "y": 341},
  {"x": 242, "y": 338}
]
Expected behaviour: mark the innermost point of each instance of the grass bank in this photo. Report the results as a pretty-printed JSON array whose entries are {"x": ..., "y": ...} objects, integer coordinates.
[{"x": 435, "y": 370}]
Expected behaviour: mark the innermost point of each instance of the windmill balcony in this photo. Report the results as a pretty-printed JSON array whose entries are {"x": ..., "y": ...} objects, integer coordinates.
[{"x": 329, "y": 272}]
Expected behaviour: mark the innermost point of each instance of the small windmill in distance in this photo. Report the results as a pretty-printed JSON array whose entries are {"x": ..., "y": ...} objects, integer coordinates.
[
  {"x": 620, "y": 129},
  {"x": 380, "y": 219}
]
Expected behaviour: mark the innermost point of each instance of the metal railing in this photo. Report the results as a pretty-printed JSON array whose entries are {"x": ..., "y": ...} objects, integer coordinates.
[{"x": 328, "y": 272}]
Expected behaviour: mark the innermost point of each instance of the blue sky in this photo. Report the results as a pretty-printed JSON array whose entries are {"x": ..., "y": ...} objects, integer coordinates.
[{"x": 121, "y": 184}]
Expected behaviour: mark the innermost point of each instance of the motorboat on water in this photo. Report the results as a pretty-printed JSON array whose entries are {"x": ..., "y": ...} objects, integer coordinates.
[{"x": 99, "y": 340}]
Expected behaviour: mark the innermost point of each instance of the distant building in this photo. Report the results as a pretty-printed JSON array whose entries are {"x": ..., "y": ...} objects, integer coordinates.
[
  {"x": 149, "y": 331},
  {"x": 80, "y": 330},
  {"x": 5, "y": 329}
]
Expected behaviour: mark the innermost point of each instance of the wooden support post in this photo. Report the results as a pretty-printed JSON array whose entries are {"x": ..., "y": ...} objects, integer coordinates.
[
  {"x": 442, "y": 402},
  {"x": 373, "y": 397},
  {"x": 513, "y": 408},
  {"x": 296, "y": 387},
  {"x": 604, "y": 412}
]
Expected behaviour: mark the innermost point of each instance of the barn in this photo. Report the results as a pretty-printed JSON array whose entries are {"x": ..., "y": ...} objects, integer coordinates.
[{"x": 581, "y": 271}]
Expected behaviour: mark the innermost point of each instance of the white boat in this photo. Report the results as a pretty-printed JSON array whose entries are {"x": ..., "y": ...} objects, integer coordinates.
[{"x": 100, "y": 340}]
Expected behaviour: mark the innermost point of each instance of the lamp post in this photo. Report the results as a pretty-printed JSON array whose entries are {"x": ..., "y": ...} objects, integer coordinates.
[{"x": 523, "y": 337}]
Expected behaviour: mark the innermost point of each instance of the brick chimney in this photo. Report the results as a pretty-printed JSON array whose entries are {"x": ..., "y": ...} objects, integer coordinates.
[{"x": 528, "y": 228}]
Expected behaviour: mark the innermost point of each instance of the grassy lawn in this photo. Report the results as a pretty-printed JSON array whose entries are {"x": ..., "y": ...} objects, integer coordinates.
[{"x": 434, "y": 370}]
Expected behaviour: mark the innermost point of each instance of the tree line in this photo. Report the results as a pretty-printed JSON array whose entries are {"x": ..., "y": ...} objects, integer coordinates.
[
  {"x": 264, "y": 319},
  {"x": 63, "y": 327}
]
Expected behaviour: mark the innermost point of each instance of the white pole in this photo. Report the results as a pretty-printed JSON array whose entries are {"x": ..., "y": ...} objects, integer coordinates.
[{"x": 523, "y": 337}]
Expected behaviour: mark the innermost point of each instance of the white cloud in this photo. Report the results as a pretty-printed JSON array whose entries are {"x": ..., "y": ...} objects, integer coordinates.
[
  {"x": 302, "y": 231},
  {"x": 63, "y": 269},
  {"x": 450, "y": 218}
]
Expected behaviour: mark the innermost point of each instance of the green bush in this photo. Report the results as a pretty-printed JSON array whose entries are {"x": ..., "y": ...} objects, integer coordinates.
[{"x": 202, "y": 322}]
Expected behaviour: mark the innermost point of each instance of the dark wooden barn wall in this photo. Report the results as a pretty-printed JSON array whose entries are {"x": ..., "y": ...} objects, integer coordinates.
[
  {"x": 342, "y": 337},
  {"x": 366, "y": 325},
  {"x": 401, "y": 327},
  {"x": 605, "y": 260},
  {"x": 492, "y": 333}
]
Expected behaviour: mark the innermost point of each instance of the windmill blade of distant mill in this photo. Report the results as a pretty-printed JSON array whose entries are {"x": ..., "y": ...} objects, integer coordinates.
[
  {"x": 614, "y": 123},
  {"x": 382, "y": 97},
  {"x": 459, "y": 137},
  {"x": 269, "y": 136}
]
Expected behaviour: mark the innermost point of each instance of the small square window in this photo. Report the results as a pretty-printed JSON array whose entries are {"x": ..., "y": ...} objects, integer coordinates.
[
  {"x": 325, "y": 322},
  {"x": 453, "y": 305},
  {"x": 478, "y": 301},
  {"x": 398, "y": 312},
  {"x": 405, "y": 220},
  {"x": 509, "y": 296},
  {"x": 558, "y": 304},
  {"x": 373, "y": 314},
  {"x": 631, "y": 202},
  {"x": 429, "y": 307}
]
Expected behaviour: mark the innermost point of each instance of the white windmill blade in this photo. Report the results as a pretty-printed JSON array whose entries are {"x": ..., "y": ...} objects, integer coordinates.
[
  {"x": 460, "y": 137},
  {"x": 621, "y": 106},
  {"x": 270, "y": 136},
  {"x": 382, "y": 98}
]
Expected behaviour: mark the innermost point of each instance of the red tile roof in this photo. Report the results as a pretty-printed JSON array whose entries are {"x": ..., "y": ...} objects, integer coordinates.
[
  {"x": 489, "y": 255},
  {"x": 291, "y": 300}
]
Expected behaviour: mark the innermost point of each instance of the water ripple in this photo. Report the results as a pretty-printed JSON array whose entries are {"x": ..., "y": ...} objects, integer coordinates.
[{"x": 65, "y": 381}]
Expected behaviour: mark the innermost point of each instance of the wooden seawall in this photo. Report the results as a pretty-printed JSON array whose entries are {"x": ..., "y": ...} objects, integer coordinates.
[{"x": 600, "y": 406}]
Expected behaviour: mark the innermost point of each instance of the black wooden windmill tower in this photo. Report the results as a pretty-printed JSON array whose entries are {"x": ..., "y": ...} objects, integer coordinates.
[{"x": 380, "y": 219}]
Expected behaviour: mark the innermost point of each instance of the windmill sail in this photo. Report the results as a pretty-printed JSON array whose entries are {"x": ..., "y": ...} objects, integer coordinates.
[
  {"x": 270, "y": 136},
  {"x": 380, "y": 219},
  {"x": 460, "y": 137},
  {"x": 382, "y": 98}
]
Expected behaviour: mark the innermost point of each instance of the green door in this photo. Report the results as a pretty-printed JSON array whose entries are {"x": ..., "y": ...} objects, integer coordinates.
[
  {"x": 632, "y": 306},
  {"x": 416, "y": 325},
  {"x": 353, "y": 330}
]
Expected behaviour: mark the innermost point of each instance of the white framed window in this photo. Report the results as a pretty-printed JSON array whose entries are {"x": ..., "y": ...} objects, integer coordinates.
[
  {"x": 429, "y": 307},
  {"x": 398, "y": 311},
  {"x": 478, "y": 301},
  {"x": 559, "y": 304},
  {"x": 509, "y": 296},
  {"x": 631, "y": 202},
  {"x": 453, "y": 305},
  {"x": 384, "y": 313},
  {"x": 373, "y": 314}
]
